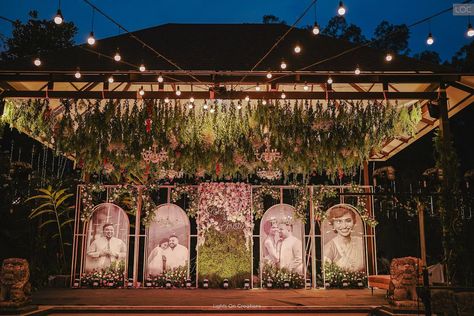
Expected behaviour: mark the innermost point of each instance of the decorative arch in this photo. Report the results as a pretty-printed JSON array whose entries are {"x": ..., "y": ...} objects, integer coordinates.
[
  {"x": 107, "y": 235},
  {"x": 281, "y": 243},
  {"x": 344, "y": 249},
  {"x": 170, "y": 223}
]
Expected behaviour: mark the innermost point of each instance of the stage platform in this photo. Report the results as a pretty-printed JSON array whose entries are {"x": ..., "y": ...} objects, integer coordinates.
[{"x": 207, "y": 302}]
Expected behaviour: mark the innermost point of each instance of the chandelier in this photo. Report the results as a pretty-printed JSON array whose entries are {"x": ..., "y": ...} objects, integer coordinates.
[
  {"x": 169, "y": 173},
  {"x": 269, "y": 174},
  {"x": 153, "y": 156},
  {"x": 269, "y": 155}
]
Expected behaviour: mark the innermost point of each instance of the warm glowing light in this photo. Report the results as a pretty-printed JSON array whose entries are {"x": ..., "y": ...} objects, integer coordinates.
[
  {"x": 205, "y": 106},
  {"x": 341, "y": 10},
  {"x": 160, "y": 78},
  {"x": 470, "y": 30},
  {"x": 264, "y": 102},
  {"x": 283, "y": 95},
  {"x": 58, "y": 19},
  {"x": 91, "y": 39},
  {"x": 316, "y": 29},
  {"x": 141, "y": 91},
  {"x": 357, "y": 70},
  {"x": 330, "y": 80},
  {"x": 247, "y": 98},
  {"x": 167, "y": 100},
  {"x": 111, "y": 79},
  {"x": 257, "y": 88},
  {"x": 178, "y": 92},
  {"x": 269, "y": 75},
  {"x": 430, "y": 39},
  {"x": 191, "y": 99},
  {"x": 142, "y": 68},
  {"x": 388, "y": 57},
  {"x": 212, "y": 110},
  {"x": 117, "y": 56},
  {"x": 190, "y": 105},
  {"x": 297, "y": 49},
  {"x": 283, "y": 65},
  {"x": 306, "y": 87},
  {"x": 78, "y": 74},
  {"x": 239, "y": 106},
  {"x": 37, "y": 62}
]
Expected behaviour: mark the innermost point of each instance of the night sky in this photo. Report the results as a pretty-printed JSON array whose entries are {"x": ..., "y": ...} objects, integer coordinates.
[{"x": 448, "y": 30}]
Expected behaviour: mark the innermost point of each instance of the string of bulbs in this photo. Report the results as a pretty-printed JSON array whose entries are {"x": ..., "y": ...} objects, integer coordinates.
[{"x": 341, "y": 11}]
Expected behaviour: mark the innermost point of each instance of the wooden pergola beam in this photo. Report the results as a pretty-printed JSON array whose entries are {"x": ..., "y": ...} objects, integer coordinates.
[{"x": 219, "y": 95}]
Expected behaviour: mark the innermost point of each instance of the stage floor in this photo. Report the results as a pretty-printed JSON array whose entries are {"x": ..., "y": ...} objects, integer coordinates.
[{"x": 211, "y": 301}]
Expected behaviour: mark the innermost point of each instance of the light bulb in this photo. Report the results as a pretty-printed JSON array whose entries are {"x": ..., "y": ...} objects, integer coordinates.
[
  {"x": 212, "y": 110},
  {"x": 91, "y": 39},
  {"x": 117, "y": 56},
  {"x": 142, "y": 68},
  {"x": 357, "y": 70},
  {"x": 247, "y": 98},
  {"x": 283, "y": 95},
  {"x": 178, "y": 92},
  {"x": 470, "y": 30},
  {"x": 239, "y": 106},
  {"x": 257, "y": 87},
  {"x": 205, "y": 106},
  {"x": 111, "y": 79},
  {"x": 264, "y": 102},
  {"x": 388, "y": 57},
  {"x": 316, "y": 29},
  {"x": 269, "y": 75},
  {"x": 305, "y": 87},
  {"x": 190, "y": 105},
  {"x": 160, "y": 79},
  {"x": 78, "y": 74},
  {"x": 141, "y": 91},
  {"x": 191, "y": 99},
  {"x": 37, "y": 62},
  {"x": 297, "y": 49},
  {"x": 341, "y": 10},
  {"x": 430, "y": 39},
  {"x": 283, "y": 65},
  {"x": 167, "y": 100},
  {"x": 58, "y": 19},
  {"x": 330, "y": 80}
]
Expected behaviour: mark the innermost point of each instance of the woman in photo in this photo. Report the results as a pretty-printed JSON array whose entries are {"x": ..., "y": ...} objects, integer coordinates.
[
  {"x": 157, "y": 259},
  {"x": 272, "y": 242},
  {"x": 345, "y": 250}
]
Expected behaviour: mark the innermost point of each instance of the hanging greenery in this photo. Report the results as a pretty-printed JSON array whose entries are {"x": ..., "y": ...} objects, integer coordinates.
[
  {"x": 109, "y": 135},
  {"x": 259, "y": 195},
  {"x": 191, "y": 193}
]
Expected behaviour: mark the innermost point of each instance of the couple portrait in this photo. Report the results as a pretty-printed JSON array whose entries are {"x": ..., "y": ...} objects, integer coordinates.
[
  {"x": 167, "y": 240},
  {"x": 343, "y": 239},
  {"x": 282, "y": 245}
]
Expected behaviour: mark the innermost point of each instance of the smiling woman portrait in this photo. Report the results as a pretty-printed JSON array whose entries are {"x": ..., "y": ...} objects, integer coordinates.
[{"x": 343, "y": 242}]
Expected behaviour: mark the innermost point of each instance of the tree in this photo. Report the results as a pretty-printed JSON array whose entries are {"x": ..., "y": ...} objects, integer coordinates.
[
  {"x": 390, "y": 37},
  {"x": 37, "y": 37},
  {"x": 271, "y": 19},
  {"x": 337, "y": 27},
  {"x": 428, "y": 56},
  {"x": 463, "y": 60}
]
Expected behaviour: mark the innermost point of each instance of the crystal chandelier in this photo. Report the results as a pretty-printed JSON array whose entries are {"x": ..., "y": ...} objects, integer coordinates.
[
  {"x": 169, "y": 173},
  {"x": 269, "y": 174},
  {"x": 269, "y": 155},
  {"x": 153, "y": 156}
]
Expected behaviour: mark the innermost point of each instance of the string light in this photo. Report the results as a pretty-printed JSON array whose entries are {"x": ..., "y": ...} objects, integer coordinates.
[
  {"x": 269, "y": 75},
  {"x": 357, "y": 70},
  {"x": 190, "y": 105},
  {"x": 316, "y": 29},
  {"x": 430, "y": 39},
  {"x": 111, "y": 79},
  {"x": 341, "y": 10},
  {"x": 305, "y": 87},
  {"x": 212, "y": 110},
  {"x": 160, "y": 79},
  {"x": 58, "y": 18},
  {"x": 239, "y": 106},
  {"x": 78, "y": 74},
  {"x": 142, "y": 68},
  {"x": 167, "y": 100},
  {"x": 283, "y": 95},
  {"x": 37, "y": 62},
  {"x": 388, "y": 57},
  {"x": 283, "y": 65},
  {"x": 329, "y": 80},
  {"x": 264, "y": 102},
  {"x": 178, "y": 92},
  {"x": 191, "y": 99},
  {"x": 247, "y": 98},
  {"x": 470, "y": 30},
  {"x": 141, "y": 91},
  {"x": 117, "y": 56},
  {"x": 91, "y": 39},
  {"x": 257, "y": 87},
  {"x": 205, "y": 106},
  {"x": 297, "y": 49}
]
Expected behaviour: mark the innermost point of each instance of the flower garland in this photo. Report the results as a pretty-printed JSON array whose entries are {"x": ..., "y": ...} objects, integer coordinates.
[
  {"x": 301, "y": 203},
  {"x": 120, "y": 192},
  {"x": 191, "y": 193},
  {"x": 259, "y": 196},
  {"x": 87, "y": 200},
  {"x": 361, "y": 206},
  {"x": 224, "y": 206}
]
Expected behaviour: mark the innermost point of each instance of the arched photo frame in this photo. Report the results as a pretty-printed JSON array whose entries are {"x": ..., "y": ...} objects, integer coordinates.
[
  {"x": 282, "y": 246},
  {"x": 168, "y": 243},
  {"x": 107, "y": 235},
  {"x": 344, "y": 249}
]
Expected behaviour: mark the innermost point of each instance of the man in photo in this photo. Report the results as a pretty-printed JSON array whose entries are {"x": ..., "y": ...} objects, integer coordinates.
[
  {"x": 157, "y": 259},
  {"x": 106, "y": 249},
  {"x": 291, "y": 249},
  {"x": 344, "y": 250},
  {"x": 176, "y": 254}
]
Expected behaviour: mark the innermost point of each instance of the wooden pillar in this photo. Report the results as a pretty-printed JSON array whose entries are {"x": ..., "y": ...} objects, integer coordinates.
[
  {"x": 136, "y": 249},
  {"x": 371, "y": 251},
  {"x": 421, "y": 222}
]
